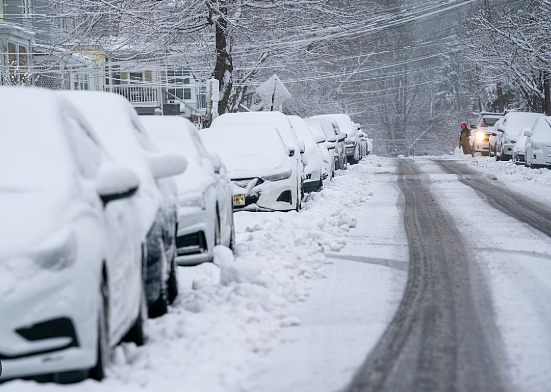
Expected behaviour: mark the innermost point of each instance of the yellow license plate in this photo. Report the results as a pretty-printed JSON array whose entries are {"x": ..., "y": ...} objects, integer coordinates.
[{"x": 239, "y": 200}]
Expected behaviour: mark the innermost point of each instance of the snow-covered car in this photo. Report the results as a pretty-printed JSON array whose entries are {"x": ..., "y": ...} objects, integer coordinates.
[
  {"x": 481, "y": 132},
  {"x": 538, "y": 143},
  {"x": 205, "y": 203},
  {"x": 71, "y": 257},
  {"x": 519, "y": 148},
  {"x": 260, "y": 165},
  {"x": 284, "y": 127},
  {"x": 364, "y": 142},
  {"x": 313, "y": 171},
  {"x": 327, "y": 148},
  {"x": 507, "y": 132},
  {"x": 352, "y": 141},
  {"x": 333, "y": 137},
  {"x": 119, "y": 128}
]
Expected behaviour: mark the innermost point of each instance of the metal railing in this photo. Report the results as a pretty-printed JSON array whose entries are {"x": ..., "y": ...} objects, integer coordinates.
[{"x": 136, "y": 94}]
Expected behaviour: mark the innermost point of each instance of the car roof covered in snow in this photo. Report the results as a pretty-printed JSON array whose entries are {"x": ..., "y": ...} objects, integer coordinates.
[
  {"x": 542, "y": 130},
  {"x": 277, "y": 119},
  {"x": 343, "y": 120},
  {"x": 516, "y": 122}
]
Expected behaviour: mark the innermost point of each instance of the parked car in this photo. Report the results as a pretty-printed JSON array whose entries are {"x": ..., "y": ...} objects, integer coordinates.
[
  {"x": 519, "y": 148},
  {"x": 205, "y": 213},
  {"x": 333, "y": 135},
  {"x": 71, "y": 256},
  {"x": 284, "y": 127},
  {"x": 119, "y": 128},
  {"x": 538, "y": 143},
  {"x": 261, "y": 166},
  {"x": 327, "y": 148},
  {"x": 352, "y": 141},
  {"x": 481, "y": 132},
  {"x": 313, "y": 171},
  {"x": 507, "y": 131}
]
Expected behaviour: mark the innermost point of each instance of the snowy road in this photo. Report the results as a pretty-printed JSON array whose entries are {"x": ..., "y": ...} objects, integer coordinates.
[{"x": 426, "y": 274}]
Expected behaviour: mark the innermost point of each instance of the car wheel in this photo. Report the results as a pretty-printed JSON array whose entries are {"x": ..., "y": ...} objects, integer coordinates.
[
  {"x": 232, "y": 237},
  {"x": 98, "y": 371},
  {"x": 217, "y": 239},
  {"x": 160, "y": 306},
  {"x": 172, "y": 283},
  {"x": 136, "y": 333}
]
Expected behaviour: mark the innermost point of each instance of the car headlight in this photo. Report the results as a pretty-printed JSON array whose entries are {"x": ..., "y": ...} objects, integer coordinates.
[
  {"x": 279, "y": 176},
  {"x": 192, "y": 200},
  {"x": 479, "y": 136},
  {"x": 59, "y": 252}
]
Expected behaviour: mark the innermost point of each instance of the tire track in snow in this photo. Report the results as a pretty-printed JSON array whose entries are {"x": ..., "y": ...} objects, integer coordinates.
[
  {"x": 443, "y": 336},
  {"x": 504, "y": 200}
]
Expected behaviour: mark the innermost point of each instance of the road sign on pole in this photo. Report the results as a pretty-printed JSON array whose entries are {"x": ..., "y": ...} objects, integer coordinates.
[{"x": 273, "y": 93}]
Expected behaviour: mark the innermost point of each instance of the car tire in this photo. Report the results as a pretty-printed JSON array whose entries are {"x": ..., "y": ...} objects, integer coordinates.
[
  {"x": 160, "y": 306},
  {"x": 172, "y": 283},
  {"x": 232, "y": 236},
  {"x": 136, "y": 333},
  {"x": 217, "y": 230},
  {"x": 98, "y": 371}
]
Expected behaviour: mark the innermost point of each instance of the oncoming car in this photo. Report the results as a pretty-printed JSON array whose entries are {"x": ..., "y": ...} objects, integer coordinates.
[
  {"x": 260, "y": 165},
  {"x": 480, "y": 134}
]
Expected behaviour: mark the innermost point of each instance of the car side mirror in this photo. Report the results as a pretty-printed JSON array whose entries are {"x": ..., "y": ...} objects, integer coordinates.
[
  {"x": 116, "y": 182},
  {"x": 528, "y": 133},
  {"x": 301, "y": 146},
  {"x": 319, "y": 139},
  {"x": 167, "y": 165},
  {"x": 290, "y": 151},
  {"x": 216, "y": 162}
]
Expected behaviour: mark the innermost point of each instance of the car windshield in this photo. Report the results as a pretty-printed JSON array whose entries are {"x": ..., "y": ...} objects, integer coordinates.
[{"x": 488, "y": 121}]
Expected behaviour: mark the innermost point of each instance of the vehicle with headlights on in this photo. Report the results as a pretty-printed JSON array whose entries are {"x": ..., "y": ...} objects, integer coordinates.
[
  {"x": 205, "y": 208},
  {"x": 260, "y": 165},
  {"x": 71, "y": 255},
  {"x": 538, "y": 143},
  {"x": 481, "y": 132}
]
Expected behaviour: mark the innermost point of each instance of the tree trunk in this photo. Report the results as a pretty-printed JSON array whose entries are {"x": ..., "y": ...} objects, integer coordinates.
[
  {"x": 500, "y": 102},
  {"x": 223, "y": 70}
]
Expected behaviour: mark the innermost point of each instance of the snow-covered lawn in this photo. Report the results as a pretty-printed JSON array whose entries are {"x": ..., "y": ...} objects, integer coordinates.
[{"x": 233, "y": 319}]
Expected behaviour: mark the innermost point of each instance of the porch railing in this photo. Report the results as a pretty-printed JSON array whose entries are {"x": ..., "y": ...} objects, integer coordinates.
[{"x": 136, "y": 94}]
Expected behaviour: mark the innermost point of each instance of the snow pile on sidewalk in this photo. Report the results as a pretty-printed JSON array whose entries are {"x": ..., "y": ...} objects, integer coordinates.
[
  {"x": 508, "y": 169},
  {"x": 231, "y": 313}
]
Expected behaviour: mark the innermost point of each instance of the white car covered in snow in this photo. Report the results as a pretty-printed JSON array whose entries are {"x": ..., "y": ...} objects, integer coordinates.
[
  {"x": 261, "y": 166},
  {"x": 274, "y": 119},
  {"x": 538, "y": 143},
  {"x": 352, "y": 142},
  {"x": 508, "y": 130},
  {"x": 333, "y": 138},
  {"x": 71, "y": 256},
  {"x": 313, "y": 171},
  {"x": 119, "y": 128},
  {"x": 205, "y": 204}
]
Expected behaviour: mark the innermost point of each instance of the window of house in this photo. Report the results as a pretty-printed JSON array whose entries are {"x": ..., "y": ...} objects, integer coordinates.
[
  {"x": 22, "y": 56},
  {"x": 12, "y": 54},
  {"x": 178, "y": 79}
]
